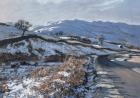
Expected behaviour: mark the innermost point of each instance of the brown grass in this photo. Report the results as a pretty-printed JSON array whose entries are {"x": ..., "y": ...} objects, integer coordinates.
[
  {"x": 76, "y": 78},
  {"x": 39, "y": 72},
  {"x": 4, "y": 87},
  {"x": 8, "y": 57}
]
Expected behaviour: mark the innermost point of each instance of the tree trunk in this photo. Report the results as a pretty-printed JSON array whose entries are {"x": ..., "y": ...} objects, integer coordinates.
[{"x": 23, "y": 33}]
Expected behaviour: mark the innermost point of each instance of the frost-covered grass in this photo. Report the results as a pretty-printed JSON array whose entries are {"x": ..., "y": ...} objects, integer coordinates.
[
  {"x": 61, "y": 81},
  {"x": 42, "y": 48},
  {"x": 64, "y": 80}
]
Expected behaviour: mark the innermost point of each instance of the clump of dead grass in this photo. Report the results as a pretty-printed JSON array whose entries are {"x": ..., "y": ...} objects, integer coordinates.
[
  {"x": 39, "y": 72},
  {"x": 59, "y": 83},
  {"x": 4, "y": 87}
]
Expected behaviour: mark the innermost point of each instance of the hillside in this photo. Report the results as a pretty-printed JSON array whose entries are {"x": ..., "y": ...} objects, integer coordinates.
[
  {"x": 8, "y": 30},
  {"x": 116, "y": 32}
]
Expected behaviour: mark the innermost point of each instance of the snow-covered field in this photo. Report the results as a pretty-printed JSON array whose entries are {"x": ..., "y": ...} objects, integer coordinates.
[
  {"x": 62, "y": 80},
  {"x": 26, "y": 70},
  {"x": 25, "y": 78}
]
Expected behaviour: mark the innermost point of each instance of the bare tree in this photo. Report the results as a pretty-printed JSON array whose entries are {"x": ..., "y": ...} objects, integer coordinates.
[
  {"x": 101, "y": 39},
  {"x": 23, "y": 25}
]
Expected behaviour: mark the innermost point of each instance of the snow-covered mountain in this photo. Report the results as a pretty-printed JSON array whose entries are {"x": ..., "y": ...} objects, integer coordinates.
[{"x": 119, "y": 32}]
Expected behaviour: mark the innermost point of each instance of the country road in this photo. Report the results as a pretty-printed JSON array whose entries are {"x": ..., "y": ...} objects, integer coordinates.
[{"x": 124, "y": 78}]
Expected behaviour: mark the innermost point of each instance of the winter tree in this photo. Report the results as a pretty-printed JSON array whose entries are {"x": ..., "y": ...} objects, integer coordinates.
[
  {"x": 23, "y": 25},
  {"x": 100, "y": 39}
]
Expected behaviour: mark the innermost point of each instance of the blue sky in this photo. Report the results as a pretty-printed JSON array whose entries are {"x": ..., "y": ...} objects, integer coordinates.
[{"x": 43, "y": 11}]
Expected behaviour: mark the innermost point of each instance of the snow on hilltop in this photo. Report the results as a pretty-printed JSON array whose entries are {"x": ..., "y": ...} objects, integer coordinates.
[
  {"x": 112, "y": 31},
  {"x": 7, "y": 30}
]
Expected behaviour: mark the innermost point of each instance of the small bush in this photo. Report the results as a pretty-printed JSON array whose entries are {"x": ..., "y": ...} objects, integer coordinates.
[{"x": 60, "y": 84}]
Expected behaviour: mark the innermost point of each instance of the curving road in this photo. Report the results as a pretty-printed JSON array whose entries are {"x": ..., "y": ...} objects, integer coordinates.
[{"x": 124, "y": 78}]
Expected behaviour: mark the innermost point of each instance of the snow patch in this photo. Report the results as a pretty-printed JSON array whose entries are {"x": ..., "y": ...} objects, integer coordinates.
[{"x": 66, "y": 74}]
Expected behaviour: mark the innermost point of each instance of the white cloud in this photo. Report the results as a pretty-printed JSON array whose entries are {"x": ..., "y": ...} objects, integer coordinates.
[
  {"x": 111, "y": 2},
  {"x": 40, "y": 11},
  {"x": 108, "y": 4},
  {"x": 50, "y": 1}
]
